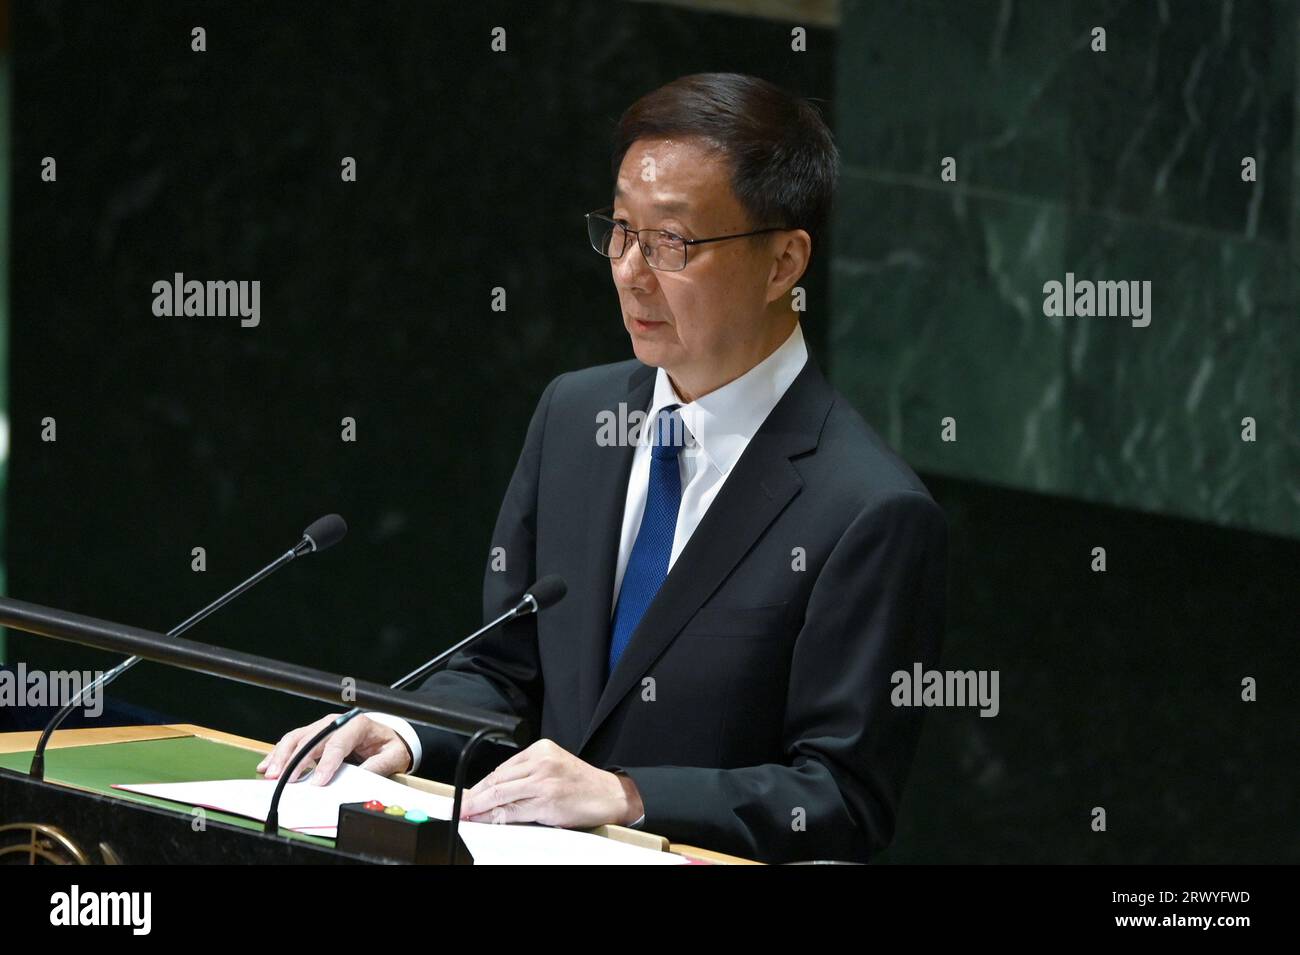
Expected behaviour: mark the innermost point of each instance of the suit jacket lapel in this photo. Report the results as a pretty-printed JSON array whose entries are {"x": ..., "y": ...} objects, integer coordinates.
[
  {"x": 761, "y": 484},
  {"x": 602, "y": 508}
]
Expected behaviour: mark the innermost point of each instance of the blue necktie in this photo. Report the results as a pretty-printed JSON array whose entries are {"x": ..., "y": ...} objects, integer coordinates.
[{"x": 647, "y": 566}]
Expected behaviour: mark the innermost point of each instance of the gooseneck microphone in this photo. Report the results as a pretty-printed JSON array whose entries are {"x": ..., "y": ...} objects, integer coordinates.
[
  {"x": 544, "y": 593},
  {"x": 323, "y": 533}
]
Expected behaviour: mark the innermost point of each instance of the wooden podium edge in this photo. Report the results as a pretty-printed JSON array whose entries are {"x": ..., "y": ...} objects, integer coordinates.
[
  {"x": 93, "y": 736},
  {"x": 18, "y": 742}
]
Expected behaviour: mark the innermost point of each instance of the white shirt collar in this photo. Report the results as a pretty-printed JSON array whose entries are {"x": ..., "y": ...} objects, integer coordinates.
[{"x": 723, "y": 422}]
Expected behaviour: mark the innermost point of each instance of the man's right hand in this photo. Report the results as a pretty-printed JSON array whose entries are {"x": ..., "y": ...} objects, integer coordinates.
[{"x": 382, "y": 750}]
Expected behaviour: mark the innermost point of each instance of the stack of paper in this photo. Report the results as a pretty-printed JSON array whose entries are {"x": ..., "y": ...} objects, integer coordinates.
[{"x": 306, "y": 807}]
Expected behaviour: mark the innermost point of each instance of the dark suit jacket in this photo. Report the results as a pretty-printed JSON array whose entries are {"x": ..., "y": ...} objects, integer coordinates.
[{"x": 752, "y": 706}]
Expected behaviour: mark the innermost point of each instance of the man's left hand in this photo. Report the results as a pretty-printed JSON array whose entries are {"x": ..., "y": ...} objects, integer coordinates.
[{"x": 546, "y": 783}]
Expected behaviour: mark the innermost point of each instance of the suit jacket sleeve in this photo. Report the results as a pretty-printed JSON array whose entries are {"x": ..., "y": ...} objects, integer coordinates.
[
  {"x": 877, "y": 607},
  {"x": 501, "y": 671}
]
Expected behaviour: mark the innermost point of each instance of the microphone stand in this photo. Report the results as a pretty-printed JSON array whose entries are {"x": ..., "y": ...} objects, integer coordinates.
[
  {"x": 304, "y": 546},
  {"x": 525, "y": 606},
  {"x": 462, "y": 766}
]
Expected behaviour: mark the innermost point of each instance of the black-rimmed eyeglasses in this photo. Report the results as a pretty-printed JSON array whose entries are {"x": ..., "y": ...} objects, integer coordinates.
[{"x": 663, "y": 250}]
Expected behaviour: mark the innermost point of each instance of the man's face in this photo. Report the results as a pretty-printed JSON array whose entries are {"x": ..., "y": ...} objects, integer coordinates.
[{"x": 705, "y": 324}]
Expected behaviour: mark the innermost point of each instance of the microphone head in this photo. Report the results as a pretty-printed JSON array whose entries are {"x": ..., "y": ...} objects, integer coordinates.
[
  {"x": 547, "y": 591},
  {"x": 325, "y": 532}
]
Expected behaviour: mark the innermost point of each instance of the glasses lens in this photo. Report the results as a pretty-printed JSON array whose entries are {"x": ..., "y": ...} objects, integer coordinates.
[
  {"x": 606, "y": 236},
  {"x": 664, "y": 251}
]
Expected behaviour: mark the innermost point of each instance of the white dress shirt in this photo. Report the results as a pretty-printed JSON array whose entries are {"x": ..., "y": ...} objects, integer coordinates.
[{"x": 718, "y": 426}]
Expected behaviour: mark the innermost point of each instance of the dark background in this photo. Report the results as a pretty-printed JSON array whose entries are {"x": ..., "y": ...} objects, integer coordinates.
[{"x": 1119, "y": 690}]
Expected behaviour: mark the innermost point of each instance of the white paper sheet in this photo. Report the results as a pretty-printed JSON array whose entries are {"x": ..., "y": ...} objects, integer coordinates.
[{"x": 313, "y": 809}]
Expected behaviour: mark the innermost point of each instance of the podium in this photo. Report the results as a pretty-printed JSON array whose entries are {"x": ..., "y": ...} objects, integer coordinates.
[{"x": 74, "y": 816}]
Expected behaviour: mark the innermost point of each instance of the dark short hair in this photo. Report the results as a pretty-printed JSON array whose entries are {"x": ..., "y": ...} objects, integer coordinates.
[{"x": 784, "y": 164}]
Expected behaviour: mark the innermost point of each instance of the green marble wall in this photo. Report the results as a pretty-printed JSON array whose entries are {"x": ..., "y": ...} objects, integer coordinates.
[{"x": 1119, "y": 165}]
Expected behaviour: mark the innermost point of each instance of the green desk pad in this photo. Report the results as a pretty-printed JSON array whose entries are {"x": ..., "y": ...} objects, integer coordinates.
[{"x": 183, "y": 759}]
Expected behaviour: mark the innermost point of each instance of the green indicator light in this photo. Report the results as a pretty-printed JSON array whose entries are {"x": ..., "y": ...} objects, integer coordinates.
[{"x": 417, "y": 815}]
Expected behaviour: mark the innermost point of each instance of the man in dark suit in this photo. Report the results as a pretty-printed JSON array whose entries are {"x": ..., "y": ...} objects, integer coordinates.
[{"x": 748, "y": 563}]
